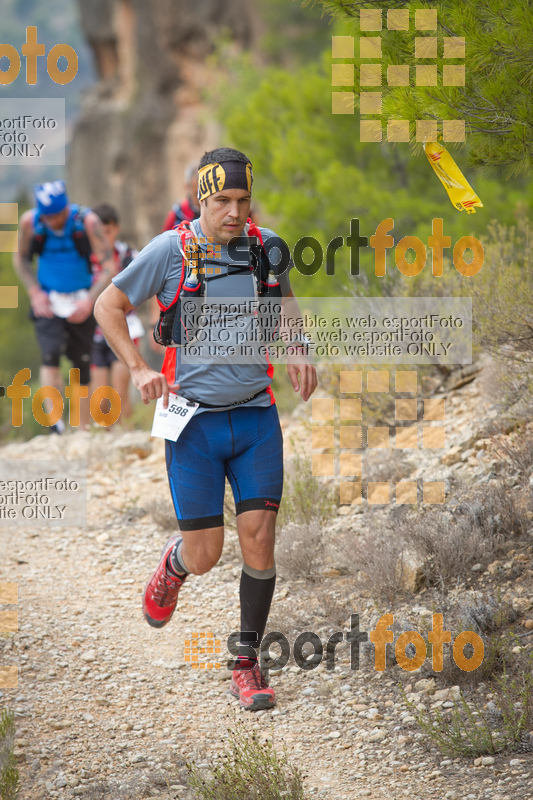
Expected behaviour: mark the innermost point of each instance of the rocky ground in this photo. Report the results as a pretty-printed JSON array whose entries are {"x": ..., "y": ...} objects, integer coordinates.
[{"x": 107, "y": 707}]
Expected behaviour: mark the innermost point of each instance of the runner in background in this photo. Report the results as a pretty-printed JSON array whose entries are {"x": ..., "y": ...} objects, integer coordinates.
[
  {"x": 62, "y": 294},
  {"x": 106, "y": 369},
  {"x": 187, "y": 210}
]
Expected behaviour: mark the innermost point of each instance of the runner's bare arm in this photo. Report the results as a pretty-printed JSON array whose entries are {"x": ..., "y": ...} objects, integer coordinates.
[
  {"x": 104, "y": 254},
  {"x": 301, "y": 372},
  {"x": 22, "y": 263},
  {"x": 110, "y": 312}
]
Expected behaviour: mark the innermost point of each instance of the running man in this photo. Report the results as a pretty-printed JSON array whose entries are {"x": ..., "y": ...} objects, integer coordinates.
[
  {"x": 235, "y": 432},
  {"x": 106, "y": 368},
  {"x": 62, "y": 295},
  {"x": 188, "y": 209}
]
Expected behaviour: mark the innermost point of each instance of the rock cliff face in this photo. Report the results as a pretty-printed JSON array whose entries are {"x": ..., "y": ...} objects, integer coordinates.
[{"x": 145, "y": 120}]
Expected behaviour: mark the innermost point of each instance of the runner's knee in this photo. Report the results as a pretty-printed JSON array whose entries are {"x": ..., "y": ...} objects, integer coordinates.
[{"x": 201, "y": 553}]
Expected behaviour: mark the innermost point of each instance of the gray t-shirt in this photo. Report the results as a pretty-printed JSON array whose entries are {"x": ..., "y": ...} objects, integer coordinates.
[{"x": 157, "y": 270}]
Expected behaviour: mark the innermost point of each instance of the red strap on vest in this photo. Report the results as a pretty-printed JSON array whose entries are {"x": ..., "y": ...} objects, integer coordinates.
[
  {"x": 184, "y": 230},
  {"x": 185, "y": 233},
  {"x": 169, "y": 363}
]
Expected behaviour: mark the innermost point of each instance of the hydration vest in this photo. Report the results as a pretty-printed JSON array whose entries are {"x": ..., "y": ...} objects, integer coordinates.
[
  {"x": 183, "y": 212},
  {"x": 79, "y": 235},
  {"x": 171, "y": 330}
]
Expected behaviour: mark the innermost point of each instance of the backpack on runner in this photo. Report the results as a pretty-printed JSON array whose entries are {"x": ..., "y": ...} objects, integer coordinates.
[
  {"x": 79, "y": 235},
  {"x": 172, "y": 329}
]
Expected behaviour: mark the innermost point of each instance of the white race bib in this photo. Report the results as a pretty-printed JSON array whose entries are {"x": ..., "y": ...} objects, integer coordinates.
[
  {"x": 170, "y": 422},
  {"x": 64, "y": 303},
  {"x": 135, "y": 326}
]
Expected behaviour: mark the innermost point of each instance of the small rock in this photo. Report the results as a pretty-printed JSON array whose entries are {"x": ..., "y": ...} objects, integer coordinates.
[
  {"x": 413, "y": 574},
  {"x": 528, "y": 624},
  {"x": 448, "y": 704},
  {"x": 487, "y": 761},
  {"x": 477, "y": 568},
  {"x": 89, "y": 656},
  {"x": 426, "y": 685},
  {"x": 515, "y": 762},
  {"x": 135, "y": 443}
]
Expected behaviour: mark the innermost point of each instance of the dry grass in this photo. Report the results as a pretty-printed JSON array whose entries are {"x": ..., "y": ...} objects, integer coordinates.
[
  {"x": 300, "y": 550},
  {"x": 163, "y": 514},
  {"x": 491, "y": 619},
  {"x": 307, "y": 506},
  {"x": 376, "y": 559},
  {"x": 452, "y": 543},
  {"x": 517, "y": 453}
]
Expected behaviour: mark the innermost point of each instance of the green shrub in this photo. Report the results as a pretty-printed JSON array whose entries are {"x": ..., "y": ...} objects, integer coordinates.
[
  {"x": 251, "y": 770},
  {"x": 466, "y": 730},
  {"x": 306, "y": 499},
  {"x": 9, "y": 774}
]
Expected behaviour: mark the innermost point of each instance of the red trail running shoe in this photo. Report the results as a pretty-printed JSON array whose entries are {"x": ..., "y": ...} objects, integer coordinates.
[
  {"x": 253, "y": 691},
  {"x": 161, "y": 593}
]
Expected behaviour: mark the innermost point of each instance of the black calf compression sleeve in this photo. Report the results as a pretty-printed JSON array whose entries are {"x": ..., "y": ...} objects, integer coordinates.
[{"x": 256, "y": 591}]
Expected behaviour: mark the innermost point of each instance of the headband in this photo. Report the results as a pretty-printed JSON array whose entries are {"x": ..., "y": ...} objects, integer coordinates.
[{"x": 229, "y": 175}]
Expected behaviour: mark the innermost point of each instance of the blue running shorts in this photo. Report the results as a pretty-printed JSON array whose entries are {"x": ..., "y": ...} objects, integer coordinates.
[{"x": 244, "y": 444}]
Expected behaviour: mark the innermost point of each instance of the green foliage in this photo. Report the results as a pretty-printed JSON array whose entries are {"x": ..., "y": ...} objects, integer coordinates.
[
  {"x": 469, "y": 731},
  {"x": 9, "y": 774},
  {"x": 313, "y": 175},
  {"x": 251, "y": 770},
  {"x": 496, "y": 100},
  {"x": 18, "y": 349},
  {"x": 503, "y": 319},
  {"x": 18, "y": 346},
  {"x": 292, "y": 33},
  {"x": 306, "y": 499}
]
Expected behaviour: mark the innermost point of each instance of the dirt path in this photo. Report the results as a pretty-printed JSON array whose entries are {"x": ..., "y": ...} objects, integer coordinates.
[{"x": 107, "y": 707}]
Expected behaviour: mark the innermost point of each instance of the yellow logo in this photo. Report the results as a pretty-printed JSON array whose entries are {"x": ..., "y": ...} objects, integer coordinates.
[
  {"x": 211, "y": 179},
  {"x": 249, "y": 178}
]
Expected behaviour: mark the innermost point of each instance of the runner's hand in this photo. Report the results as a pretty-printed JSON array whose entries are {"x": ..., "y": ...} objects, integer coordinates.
[
  {"x": 40, "y": 303},
  {"x": 82, "y": 311},
  {"x": 152, "y": 385},
  {"x": 302, "y": 375}
]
